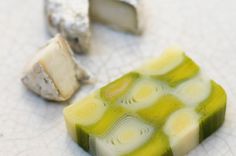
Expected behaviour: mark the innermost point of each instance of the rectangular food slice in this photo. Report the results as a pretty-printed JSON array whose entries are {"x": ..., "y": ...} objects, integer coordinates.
[{"x": 157, "y": 109}]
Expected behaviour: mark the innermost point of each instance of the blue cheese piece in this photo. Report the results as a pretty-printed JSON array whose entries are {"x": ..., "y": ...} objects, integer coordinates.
[
  {"x": 53, "y": 73},
  {"x": 71, "y": 19},
  {"x": 124, "y": 15}
]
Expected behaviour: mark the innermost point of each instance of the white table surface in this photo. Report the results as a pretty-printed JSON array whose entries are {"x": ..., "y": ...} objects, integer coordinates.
[{"x": 30, "y": 126}]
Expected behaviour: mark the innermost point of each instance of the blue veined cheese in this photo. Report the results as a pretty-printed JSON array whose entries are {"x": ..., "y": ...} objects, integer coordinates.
[
  {"x": 71, "y": 19},
  {"x": 53, "y": 73}
]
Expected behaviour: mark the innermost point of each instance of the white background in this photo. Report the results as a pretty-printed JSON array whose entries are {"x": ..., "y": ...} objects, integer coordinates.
[{"x": 30, "y": 126}]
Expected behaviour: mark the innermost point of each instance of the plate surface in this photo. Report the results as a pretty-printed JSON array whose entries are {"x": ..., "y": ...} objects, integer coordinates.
[{"x": 31, "y": 126}]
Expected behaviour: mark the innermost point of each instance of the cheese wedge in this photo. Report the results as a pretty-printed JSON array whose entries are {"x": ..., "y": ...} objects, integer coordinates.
[
  {"x": 53, "y": 73},
  {"x": 124, "y": 15},
  {"x": 71, "y": 19},
  {"x": 164, "y": 108}
]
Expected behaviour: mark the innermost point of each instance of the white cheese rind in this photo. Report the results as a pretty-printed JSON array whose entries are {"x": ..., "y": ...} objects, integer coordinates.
[
  {"x": 53, "y": 73},
  {"x": 124, "y": 15},
  {"x": 70, "y": 18},
  {"x": 39, "y": 82}
]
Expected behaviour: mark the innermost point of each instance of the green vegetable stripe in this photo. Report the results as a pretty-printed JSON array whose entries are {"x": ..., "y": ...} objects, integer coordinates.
[{"x": 156, "y": 110}]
